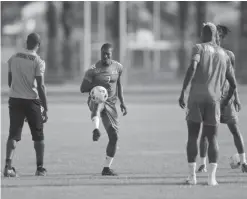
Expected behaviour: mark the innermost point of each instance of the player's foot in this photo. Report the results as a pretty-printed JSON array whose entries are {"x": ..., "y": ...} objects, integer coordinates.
[
  {"x": 108, "y": 172},
  {"x": 244, "y": 167},
  {"x": 191, "y": 180},
  {"x": 96, "y": 135},
  {"x": 202, "y": 169},
  {"x": 41, "y": 171},
  {"x": 9, "y": 172},
  {"x": 212, "y": 182}
]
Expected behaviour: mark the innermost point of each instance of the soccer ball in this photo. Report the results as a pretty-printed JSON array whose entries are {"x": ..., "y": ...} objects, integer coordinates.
[
  {"x": 99, "y": 94},
  {"x": 234, "y": 161}
]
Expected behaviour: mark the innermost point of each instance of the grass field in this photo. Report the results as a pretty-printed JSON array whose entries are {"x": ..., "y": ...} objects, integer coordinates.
[{"x": 151, "y": 159}]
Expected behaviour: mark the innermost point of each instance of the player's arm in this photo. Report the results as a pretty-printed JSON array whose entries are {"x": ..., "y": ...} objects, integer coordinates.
[
  {"x": 232, "y": 59},
  {"x": 120, "y": 94},
  {"x": 39, "y": 76},
  {"x": 230, "y": 76},
  {"x": 196, "y": 51},
  {"x": 87, "y": 82},
  {"x": 9, "y": 73}
]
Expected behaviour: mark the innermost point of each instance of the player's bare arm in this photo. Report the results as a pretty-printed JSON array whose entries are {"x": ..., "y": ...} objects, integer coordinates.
[
  {"x": 121, "y": 97},
  {"x": 230, "y": 76},
  {"x": 86, "y": 86},
  {"x": 9, "y": 79},
  {"x": 188, "y": 77},
  {"x": 42, "y": 94},
  {"x": 237, "y": 102}
]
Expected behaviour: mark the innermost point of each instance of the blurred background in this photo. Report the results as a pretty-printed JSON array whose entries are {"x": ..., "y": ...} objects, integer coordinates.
[{"x": 153, "y": 40}]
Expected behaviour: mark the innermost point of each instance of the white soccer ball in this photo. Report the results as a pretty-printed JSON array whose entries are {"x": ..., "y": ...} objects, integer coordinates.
[
  {"x": 234, "y": 161},
  {"x": 99, "y": 94}
]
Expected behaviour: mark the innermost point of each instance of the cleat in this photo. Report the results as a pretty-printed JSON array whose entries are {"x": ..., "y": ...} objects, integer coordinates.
[
  {"x": 244, "y": 167},
  {"x": 202, "y": 169},
  {"x": 96, "y": 135},
  {"x": 191, "y": 180},
  {"x": 41, "y": 171},
  {"x": 9, "y": 172},
  {"x": 212, "y": 182},
  {"x": 108, "y": 172}
]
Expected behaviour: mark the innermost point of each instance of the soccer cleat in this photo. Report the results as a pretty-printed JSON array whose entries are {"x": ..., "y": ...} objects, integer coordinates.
[
  {"x": 212, "y": 182},
  {"x": 244, "y": 167},
  {"x": 108, "y": 172},
  {"x": 202, "y": 169},
  {"x": 191, "y": 180},
  {"x": 41, "y": 171},
  {"x": 96, "y": 135},
  {"x": 9, "y": 172}
]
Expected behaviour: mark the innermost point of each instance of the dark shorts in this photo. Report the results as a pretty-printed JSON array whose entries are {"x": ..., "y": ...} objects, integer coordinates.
[
  {"x": 204, "y": 112},
  {"x": 19, "y": 109},
  {"x": 107, "y": 111},
  {"x": 229, "y": 114}
]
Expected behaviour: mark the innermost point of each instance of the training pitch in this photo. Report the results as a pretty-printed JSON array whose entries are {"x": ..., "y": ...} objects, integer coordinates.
[{"x": 150, "y": 159}]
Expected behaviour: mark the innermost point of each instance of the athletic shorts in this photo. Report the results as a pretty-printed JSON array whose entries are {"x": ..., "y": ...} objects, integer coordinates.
[
  {"x": 107, "y": 111},
  {"x": 229, "y": 114},
  {"x": 204, "y": 112},
  {"x": 19, "y": 109}
]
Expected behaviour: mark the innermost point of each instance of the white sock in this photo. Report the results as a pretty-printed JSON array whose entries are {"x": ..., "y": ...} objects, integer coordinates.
[
  {"x": 203, "y": 161},
  {"x": 95, "y": 121},
  {"x": 108, "y": 161},
  {"x": 242, "y": 158},
  {"x": 192, "y": 168},
  {"x": 212, "y": 171}
]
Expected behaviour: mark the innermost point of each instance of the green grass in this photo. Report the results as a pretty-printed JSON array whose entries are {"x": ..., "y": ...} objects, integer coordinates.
[{"x": 151, "y": 159}]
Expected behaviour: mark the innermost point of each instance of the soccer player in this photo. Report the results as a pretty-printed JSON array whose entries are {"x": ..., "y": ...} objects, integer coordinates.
[
  {"x": 209, "y": 68},
  {"x": 26, "y": 95},
  {"x": 228, "y": 115},
  {"x": 106, "y": 73}
]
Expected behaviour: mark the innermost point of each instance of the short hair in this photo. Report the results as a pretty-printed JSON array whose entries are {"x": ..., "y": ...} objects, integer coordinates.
[
  {"x": 223, "y": 31},
  {"x": 33, "y": 40},
  {"x": 106, "y": 46}
]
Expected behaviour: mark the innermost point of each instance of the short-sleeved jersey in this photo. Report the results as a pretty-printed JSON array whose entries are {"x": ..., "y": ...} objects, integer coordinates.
[
  {"x": 226, "y": 85},
  {"x": 106, "y": 76},
  {"x": 24, "y": 66},
  {"x": 210, "y": 75}
]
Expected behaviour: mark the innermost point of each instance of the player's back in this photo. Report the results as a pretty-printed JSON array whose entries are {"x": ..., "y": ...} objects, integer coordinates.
[
  {"x": 23, "y": 67},
  {"x": 210, "y": 73}
]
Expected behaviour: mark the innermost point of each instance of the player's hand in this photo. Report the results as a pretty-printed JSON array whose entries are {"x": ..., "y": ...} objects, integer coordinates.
[
  {"x": 237, "y": 104},
  {"x": 123, "y": 109},
  {"x": 181, "y": 100},
  {"x": 44, "y": 116}
]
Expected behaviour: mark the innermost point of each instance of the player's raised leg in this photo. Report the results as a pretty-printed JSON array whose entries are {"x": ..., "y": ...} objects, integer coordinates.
[
  {"x": 110, "y": 121},
  {"x": 95, "y": 109},
  {"x": 239, "y": 143}
]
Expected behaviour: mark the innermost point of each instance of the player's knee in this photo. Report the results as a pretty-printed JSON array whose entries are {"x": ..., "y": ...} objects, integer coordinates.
[
  {"x": 113, "y": 135},
  {"x": 11, "y": 143},
  {"x": 38, "y": 136}
]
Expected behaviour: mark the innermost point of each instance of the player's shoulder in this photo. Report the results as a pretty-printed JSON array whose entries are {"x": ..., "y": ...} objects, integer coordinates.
[
  {"x": 117, "y": 64},
  {"x": 230, "y": 53},
  {"x": 197, "y": 47}
]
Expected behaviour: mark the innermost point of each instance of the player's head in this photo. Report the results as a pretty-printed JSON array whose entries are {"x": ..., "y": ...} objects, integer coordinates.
[
  {"x": 106, "y": 53},
  {"x": 222, "y": 31},
  {"x": 33, "y": 41},
  {"x": 209, "y": 32}
]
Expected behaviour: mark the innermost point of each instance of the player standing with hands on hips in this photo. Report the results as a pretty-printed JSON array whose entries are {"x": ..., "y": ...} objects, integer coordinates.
[
  {"x": 26, "y": 98},
  {"x": 210, "y": 67},
  {"x": 106, "y": 73}
]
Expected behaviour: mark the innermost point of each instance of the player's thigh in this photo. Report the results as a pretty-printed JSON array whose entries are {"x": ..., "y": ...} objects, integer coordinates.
[
  {"x": 229, "y": 115},
  {"x": 193, "y": 129},
  {"x": 210, "y": 130},
  {"x": 16, "y": 116},
  {"x": 110, "y": 118},
  {"x": 211, "y": 113},
  {"x": 35, "y": 121},
  {"x": 95, "y": 108},
  {"x": 194, "y": 112}
]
